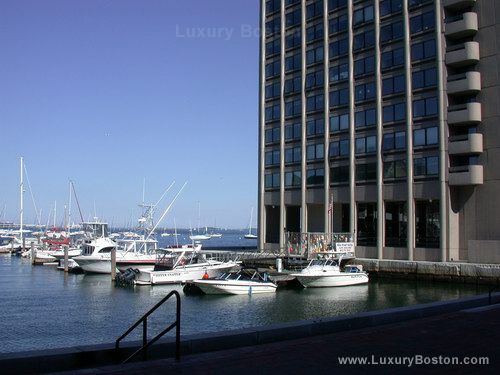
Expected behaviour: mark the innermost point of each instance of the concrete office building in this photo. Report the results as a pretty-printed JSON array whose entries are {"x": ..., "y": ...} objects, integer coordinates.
[{"x": 381, "y": 118}]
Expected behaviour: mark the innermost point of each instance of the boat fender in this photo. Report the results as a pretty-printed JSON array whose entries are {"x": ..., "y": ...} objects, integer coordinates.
[{"x": 205, "y": 276}]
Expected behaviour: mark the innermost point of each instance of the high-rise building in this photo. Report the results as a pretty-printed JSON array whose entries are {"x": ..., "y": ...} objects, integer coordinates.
[{"x": 382, "y": 118}]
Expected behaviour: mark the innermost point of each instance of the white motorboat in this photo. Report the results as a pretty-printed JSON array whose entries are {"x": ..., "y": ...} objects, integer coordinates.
[
  {"x": 59, "y": 253},
  {"x": 178, "y": 266},
  {"x": 327, "y": 273},
  {"x": 245, "y": 281}
]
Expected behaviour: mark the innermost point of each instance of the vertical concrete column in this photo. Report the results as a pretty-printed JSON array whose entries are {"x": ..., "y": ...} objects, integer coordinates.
[
  {"x": 380, "y": 166},
  {"x": 327, "y": 216},
  {"x": 443, "y": 138},
  {"x": 352, "y": 160},
  {"x": 409, "y": 135},
  {"x": 282, "y": 125},
  {"x": 262, "y": 122},
  {"x": 303, "y": 165}
]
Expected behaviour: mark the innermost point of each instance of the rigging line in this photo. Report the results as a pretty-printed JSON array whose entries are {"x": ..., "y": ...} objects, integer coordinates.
[
  {"x": 31, "y": 193},
  {"x": 77, "y": 202}
]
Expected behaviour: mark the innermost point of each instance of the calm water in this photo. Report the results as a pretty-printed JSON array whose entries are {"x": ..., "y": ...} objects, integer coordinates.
[{"x": 44, "y": 308}]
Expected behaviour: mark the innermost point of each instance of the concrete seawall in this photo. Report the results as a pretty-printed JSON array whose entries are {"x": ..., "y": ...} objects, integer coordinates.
[
  {"x": 69, "y": 359},
  {"x": 439, "y": 271}
]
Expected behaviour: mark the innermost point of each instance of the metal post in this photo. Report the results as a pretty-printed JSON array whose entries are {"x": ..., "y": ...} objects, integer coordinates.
[
  {"x": 145, "y": 338},
  {"x": 66, "y": 249},
  {"x": 178, "y": 329},
  {"x": 113, "y": 264},
  {"x": 33, "y": 252}
]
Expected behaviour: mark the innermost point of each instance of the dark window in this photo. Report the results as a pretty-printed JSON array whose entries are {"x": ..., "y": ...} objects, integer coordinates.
[
  {"x": 391, "y": 32},
  {"x": 364, "y": 40},
  {"x": 363, "y": 15},
  {"x": 314, "y": 32},
  {"x": 338, "y": 48},
  {"x": 425, "y": 107},
  {"x": 316, "y": 151},
  {"x": 367, "y": 224},
  {"x": 293, "y": 154},
  {"x": 422, "y": 22},
  {"x": 365, "y": 117},
  {"x": 315, "y": 79},
  {"x": 396, "y": 223},
  {"x": 339, "y": 122},
  {"x": 273, "y": 90},
  {"x": 315, "y": 55},
  {"x": 427, "y": 166},
  {"x": 390, "y": 6},
  {"x": 273, "y": 135},
  {"x": 273, "y": 6},
  {"x": 315, "y": 103},
  {"x": 424, "y": 78},
  {"x": 394, "y": 169},
  {"x": 338, "y": 24},
  {"x": 293, "y": 107},
  {"x": 339, "y": 97},
  {"x": 293, "y": 62},
  {"x": 393, "y": 58},
  {"x": 315, "y": 176},
  {"x": 293, "y": 131},
  {"x": 393, "y": 85},
  {"x": 339, "y": 174},
  {"x": 314, "y": 9},
  {"x": 365, "y": 91},
  {"x": 427, "y": 224},
  {"x": 339, "y": 72},
  {"x": 273, "y": 69},
  {"x": 273, "y": 112},
  {"x": 273, "y": 47},
  {"x": 336, "y": 4},
  {"x": 364, "y": 66},
  {"x": 315, "y": 127},
  {"x": 293, "y": 85},
  {"x": 293, "y": 39},
  {"x": 293, "y": 178},
  {"x": 423, "y": 50},
  {"x": 293, "y": 18},
  {"x": 273, "y": 26}
]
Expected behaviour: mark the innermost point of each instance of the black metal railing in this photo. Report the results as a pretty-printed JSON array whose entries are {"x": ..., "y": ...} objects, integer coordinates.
[
  {"x": 494, "y": 289},
  {"x": 144, "y": 320}
]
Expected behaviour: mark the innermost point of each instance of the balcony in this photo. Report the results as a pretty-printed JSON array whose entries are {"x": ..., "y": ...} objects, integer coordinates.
[
  {"x": 458, "y": 4},
  {"x": 464, "y": 27},
  {"x": 466, "y": 144},
  {"x": 464, "y": 84},
  {"x": 466, "y": 175},
  {"x": 465, "y": 55},
  {"x": 465, "y": 115}
]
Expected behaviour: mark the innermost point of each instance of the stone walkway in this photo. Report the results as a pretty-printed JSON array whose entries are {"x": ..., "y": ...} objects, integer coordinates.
[{"x": 471, "y": 333}]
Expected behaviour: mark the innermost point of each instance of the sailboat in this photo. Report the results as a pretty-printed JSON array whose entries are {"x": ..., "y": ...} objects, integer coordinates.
[
  {"x": 250, "y": 236},
  {"x": 199, "y": 237}
]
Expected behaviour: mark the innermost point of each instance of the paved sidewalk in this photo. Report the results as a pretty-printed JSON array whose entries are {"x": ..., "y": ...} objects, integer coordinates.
[{"x": 466, "y": 333}]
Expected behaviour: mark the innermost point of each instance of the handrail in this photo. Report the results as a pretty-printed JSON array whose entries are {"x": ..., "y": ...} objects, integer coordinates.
[
  {"x": 144, "y": 320},
  {"x": 493, "y": 289}
]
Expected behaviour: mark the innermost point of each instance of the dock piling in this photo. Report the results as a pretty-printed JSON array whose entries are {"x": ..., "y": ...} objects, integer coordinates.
[
  {"x": 33, "y": 252},
  {"x": 66, "y": 249}
]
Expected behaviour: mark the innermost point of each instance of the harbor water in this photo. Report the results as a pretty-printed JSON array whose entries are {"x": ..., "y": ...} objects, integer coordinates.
[{"x": 43, "y": 308}]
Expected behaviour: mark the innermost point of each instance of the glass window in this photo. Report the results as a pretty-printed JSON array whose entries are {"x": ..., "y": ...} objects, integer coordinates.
[
  {"x": 432, "y": 165},
  {"x": 360, "y": 146},
  {"x": 371, "y": 144},
  {"x": 432, "y": 136},
  {"x": 344, "y": 147},
  {"x": 419, "y": 137},
  {"x": 400, "y": 140},
  {"x": 419, "y": 167},
  {"x": 427, "y": 223},
  {"x": 388, "y": 142},
  {"x": 367, "y": 224}
]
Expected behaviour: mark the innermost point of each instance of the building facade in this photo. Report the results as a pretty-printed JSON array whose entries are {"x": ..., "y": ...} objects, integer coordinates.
[{"x": 381, "y": 118}]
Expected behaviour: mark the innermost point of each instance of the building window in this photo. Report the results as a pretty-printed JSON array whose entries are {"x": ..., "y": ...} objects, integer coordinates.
[
  {"x": 315, "y": 55},
  {"x": 314, "y": 32},
  {"x": 272, "y": 157},
  {"x": 273, "y": 112},
  {"x": 315, "y": 79},
  {"x": 293, "y": 178},
  {"x": 336, "y": 4},
  {"x": 390, "y": 6},
  {"x": 364, "y": 66},
  {"x": 315, "y": 103},
  {"x": 422, "y": 22},
  {"x": 339, "y": 122},
  {"x": 364, "y": 40},
  {"x": 424, "y": 78},
  {"x": 273, "y": 6},
  {"x": 393, "y": 58},
  {"x": 273, "y": 90},
  {"x": 315, "y": 127},
  {"x": 293, "y": 85},
  {"x": 426, "y": 166},
  {"x": 391, "y": 32},
  {"x": 423, "y": 50},
  {"x": 367, "y": 117},
  {"x": 394, "y": 169},
  {"x": 365, "y": 145},
  {"x": 337, "y": 24},
  {"x": 293, "y": 62},
  {"x": 293, "y": 107},
  {"x": 339, "y": 174},
  {"x": 394, "y": 112},
  {"x": 425, "y": 137},
  {"x": 273, "y": 26},
  {"x": 339, "y": 148},
  {"x": 293, "y": 18},
  {"x": 338, "y": 48},
  {"x": 293, "y": 39},
  {"x": 425, "y": 107},
  {"x": 273, "y": 135},
  {"x": 314, "y": 9},
  {"x": 316, "y": 151},
  {"x": 293, "y": 132},
  {"x": 339, "y": 97},
  {"x": 394, "y": 141},
  {"x": 396, "y": 224},
  {"x": 339, "y": 72},
  {"x": 366, "y": 172},
  {"x": 367, "y": 224},
  {"x": 393, "y": 85},
  {"x": 315, "y": 176},
  {"x": 272, "y": 180},
  {"x": 293, "y": 155},
  {"x": 427, "y": 225},
  {"x": 365, "y": 91},
  {"x": 363, "y": 15},
  {"x": 273, "y": 69},
  {"x": 273, "y": 47}
]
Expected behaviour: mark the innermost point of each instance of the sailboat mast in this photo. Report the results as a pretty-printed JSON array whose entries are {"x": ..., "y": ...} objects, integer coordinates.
[
  {"x": 55, "y": 213},
  {"x": 250, "y": 224},
  {"x": 21, "y": 203},
  {"x": 69, "y": 210}
]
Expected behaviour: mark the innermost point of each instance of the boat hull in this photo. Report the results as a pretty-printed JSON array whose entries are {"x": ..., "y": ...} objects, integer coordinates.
[
  {"x": 343, "y": 279},
  {"x": 234, "y": 287},
  {"x": 181, "y": 274}
]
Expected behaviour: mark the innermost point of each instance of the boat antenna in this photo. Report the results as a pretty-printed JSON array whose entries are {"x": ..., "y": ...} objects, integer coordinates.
[
  {"x": 76, "y": 198},
  {"x": 163, "y": 195},
  {"x": 167, "y": 209},
  {"x": 31, "y": 193}
]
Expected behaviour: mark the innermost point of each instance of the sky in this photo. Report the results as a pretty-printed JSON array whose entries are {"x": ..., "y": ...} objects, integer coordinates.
[{"x": 108, "y": 93}]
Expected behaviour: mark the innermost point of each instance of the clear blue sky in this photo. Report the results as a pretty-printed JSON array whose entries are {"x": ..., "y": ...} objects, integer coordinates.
[{"x": 109, "y": 92}]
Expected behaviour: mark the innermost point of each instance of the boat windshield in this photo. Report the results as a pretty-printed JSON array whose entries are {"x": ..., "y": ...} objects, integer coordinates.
[{"x": 322, "y": 262}]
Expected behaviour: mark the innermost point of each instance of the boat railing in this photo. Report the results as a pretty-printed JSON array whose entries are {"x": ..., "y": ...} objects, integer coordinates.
[{"x": 144, "y": 320}]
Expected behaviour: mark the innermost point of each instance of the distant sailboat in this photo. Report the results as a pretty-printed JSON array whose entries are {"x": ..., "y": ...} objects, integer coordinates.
[{"x": 250, "y": 236}]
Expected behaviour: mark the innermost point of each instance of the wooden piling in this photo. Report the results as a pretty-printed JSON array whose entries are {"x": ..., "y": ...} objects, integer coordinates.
[
  {"x": 113, "y": 264},
  {"x": 66, "y": 249},
  {"x": 33, "y": 252},
  {"x": 12, "y": 246}
]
